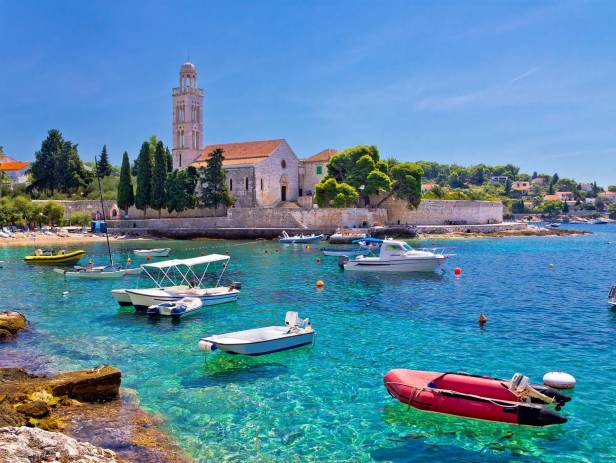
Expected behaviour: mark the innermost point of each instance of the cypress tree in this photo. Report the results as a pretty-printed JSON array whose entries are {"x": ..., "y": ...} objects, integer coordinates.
[
  {"x": 214, "y": 191},
  {"x": 169, "y": 160},
  {"x": 144, "y": 178},
  {"x": 126, "y": 197},
  {"x": 159, "y": 175},
  {"x": 43, "y": 169},
  {"x": 104, "y": 168}
]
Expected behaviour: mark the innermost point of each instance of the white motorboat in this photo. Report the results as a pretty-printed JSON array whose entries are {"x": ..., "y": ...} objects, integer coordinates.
[
  {"x": 157, "y": 252},
  {"x": 176, "y": 309},
  {"x": 397, "y": 256},
  {"x": 121, "y": 297},
  {"x": 259, "y": 341},
  {"x": 184, "y": 281},
  {"x": 287, "y": 239}
]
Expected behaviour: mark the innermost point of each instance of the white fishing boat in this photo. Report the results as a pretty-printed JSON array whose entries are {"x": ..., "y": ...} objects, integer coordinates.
[
  {"x": 176, "y": 309},
  {"x": 259, "y": 341},
  {"x": 599, "y": 221},
  {"x": 185, "y": 281},
  {"x": 287, "y": 239},
  {"x": 98, "y": 274},
  {"x": 397, "y": 256},
  {"x": 157, "y": 252}
]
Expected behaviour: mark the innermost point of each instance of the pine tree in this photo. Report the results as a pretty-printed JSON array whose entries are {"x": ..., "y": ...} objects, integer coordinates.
[
  {"x": 508, "y": 187},
  {"x": 214, "y": 191},
  {"x": 126, "y": 197},
  {"x": 43, "y": 169},
  {"x": 144, "y": 178},
  {"x": 159, "y": 176},
  {"x": 104, "y": 168}
]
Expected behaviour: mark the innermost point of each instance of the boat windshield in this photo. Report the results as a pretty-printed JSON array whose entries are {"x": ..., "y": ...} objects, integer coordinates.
[{"x": 407, "y": 247}]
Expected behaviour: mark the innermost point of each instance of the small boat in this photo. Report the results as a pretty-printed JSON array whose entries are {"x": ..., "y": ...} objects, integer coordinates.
[
  {"x": 157, "y": 252},
  {"x": 96, "y": 274},
  {"x": 345, "y": 252},
  {"x": 369, "y": 242},
  {"x": 121, "y": 297},
  {"x": 42, "y": 256},
  {"x": 177, "y": 308},
  {"x": 286, "y": 239},
  {"x": 397, "y": 256},
  {"x": 185, "y": 281},
  {"x": 259, "y": 341},
  {"x": 612, "y": 296},
  {"x": 479, "y": 397},
  {"x": 554, "y": 225},
  {"x": 599, "y": 222}
]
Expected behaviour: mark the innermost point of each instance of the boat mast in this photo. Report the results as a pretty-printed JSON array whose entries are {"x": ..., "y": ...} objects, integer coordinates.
[{"x": 100, "y": 191}]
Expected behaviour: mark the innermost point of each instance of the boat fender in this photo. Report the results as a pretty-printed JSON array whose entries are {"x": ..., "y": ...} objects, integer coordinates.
[
  {"x": 559, "y": 380},
  {"x": 207, "y": 346}
]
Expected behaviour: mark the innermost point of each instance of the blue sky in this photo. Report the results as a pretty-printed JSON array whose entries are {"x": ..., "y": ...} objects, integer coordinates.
[{"x": 531, "y": 83}]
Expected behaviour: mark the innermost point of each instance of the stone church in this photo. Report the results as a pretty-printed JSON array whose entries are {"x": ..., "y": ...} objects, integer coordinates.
[{"x": 264, "y": 173}]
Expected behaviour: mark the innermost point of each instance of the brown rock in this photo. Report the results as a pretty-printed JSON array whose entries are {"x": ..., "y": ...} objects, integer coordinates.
[
  {"x": 96, "y": 385},
  {"x": 11, "y": 322},
  {"x": 36, "y": 409},
  {"x": 10, "y": 417}
]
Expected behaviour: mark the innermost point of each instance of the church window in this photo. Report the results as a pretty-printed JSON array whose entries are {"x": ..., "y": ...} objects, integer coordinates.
[
  {"x": 230, "y": 184},
  {"x": 246, "y": 183},
  {"x": 319, "y": 170},
  {"x": 283, "y": 164}
]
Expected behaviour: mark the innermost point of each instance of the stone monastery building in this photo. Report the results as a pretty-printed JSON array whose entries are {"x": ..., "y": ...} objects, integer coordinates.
[{"x": 264, "y": 173}]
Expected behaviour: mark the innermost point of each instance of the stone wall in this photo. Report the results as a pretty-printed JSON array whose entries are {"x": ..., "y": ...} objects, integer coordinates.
[
  {"x": 438, "y": 212},
  {"x": 236, "y": 183},
  {"x": 92, "y": 206}
]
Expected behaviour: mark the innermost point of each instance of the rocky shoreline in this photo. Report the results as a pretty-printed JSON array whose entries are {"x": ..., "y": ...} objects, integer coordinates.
[
  {"x": 506, "y": 233},
  {"x": 103, "y": 422}
]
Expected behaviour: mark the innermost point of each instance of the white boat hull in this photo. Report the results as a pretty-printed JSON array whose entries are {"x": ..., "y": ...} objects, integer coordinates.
[
  {"x": 97, "y": 274},
  {"x": 282, "y": 342},
  {"x": 423, "y": 264},
  {"x": 161, "y": 252},
  {"x": 141, "y": 299},
  {"x": 345, "y": 252},
  {"x": 121, "y": 297}
]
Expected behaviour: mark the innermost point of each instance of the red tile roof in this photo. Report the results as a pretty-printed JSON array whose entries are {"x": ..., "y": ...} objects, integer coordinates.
[
  {"x": 15, "y": 165},
  {"x": 322, "y": 156},
  {"x": 249, "y": 152},
  {"x": 6, "y": 158}
]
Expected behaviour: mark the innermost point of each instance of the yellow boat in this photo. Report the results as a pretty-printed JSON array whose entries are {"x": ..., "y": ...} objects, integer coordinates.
[{"x": 48, "y": 257}]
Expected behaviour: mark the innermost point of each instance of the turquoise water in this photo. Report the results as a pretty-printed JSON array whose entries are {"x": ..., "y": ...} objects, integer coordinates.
[{"x": 327, "y": 402}]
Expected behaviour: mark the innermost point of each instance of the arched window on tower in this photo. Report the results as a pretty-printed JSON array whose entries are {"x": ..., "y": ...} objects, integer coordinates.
[
  {"x": 246, "y": 183},
  {"x": 261, "y": 183}
]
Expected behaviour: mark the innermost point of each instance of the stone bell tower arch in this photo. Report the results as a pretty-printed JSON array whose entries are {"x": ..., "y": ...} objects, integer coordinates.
[{"x": 187, "y": 118}]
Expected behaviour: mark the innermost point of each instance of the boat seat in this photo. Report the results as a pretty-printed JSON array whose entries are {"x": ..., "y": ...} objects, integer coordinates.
[{"x": 291, "y": 319}]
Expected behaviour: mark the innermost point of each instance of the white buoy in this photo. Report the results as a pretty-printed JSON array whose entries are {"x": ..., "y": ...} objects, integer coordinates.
[{"x": 559, "y": 380}]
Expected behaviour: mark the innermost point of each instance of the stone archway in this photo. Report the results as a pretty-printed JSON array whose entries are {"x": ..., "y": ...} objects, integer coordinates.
[{"x": 284, "y": 187}]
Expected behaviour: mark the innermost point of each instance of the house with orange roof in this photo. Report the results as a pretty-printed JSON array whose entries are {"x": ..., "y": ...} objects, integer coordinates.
[
  {"x": 259, "y": 173},
  {"x": 312, "y": 170},
  {"x": 14, "y": 170}
]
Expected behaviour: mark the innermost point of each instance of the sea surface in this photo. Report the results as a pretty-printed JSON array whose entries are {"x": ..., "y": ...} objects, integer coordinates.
[{"x": 327, "y": 403}]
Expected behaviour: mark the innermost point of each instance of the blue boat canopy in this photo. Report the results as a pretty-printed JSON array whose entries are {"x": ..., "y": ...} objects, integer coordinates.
[{"x": 367, "y": 240}]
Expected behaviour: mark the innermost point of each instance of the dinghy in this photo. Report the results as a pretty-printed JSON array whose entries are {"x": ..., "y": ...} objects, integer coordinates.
[
  {"x": 479, "y": 397},
  {"x": 42, "y": 256},
  {"x": 345, "y": 252},
  {"x": 157, "y": 252},
  {"x": 96, "y": 274},
  {"x": 259, "y": 341},
  {"x": 176, "y": 309},
  {"x": 286, "y": 239}
]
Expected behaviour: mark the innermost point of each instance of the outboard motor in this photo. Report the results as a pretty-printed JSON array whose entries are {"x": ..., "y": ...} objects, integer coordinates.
[
  {"x": 342, "y": 260},
  {"x": 236, "y": 285}
]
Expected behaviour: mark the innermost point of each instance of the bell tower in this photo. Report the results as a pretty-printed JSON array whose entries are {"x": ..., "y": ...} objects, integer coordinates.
[{"x": 187, "y": 118}]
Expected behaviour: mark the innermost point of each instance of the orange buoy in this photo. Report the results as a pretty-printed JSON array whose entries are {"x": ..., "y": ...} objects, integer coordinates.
[
  {"x": 482, "y": 319},
  {"x": 318, "y": 260},
  {"x": 457, "y": 271},
  {"x": 148, "y": 258},
  {"x": 320, "y": 283}
]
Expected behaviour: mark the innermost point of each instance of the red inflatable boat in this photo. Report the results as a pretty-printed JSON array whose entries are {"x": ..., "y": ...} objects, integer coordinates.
[{"x": 479, "y": 397}]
